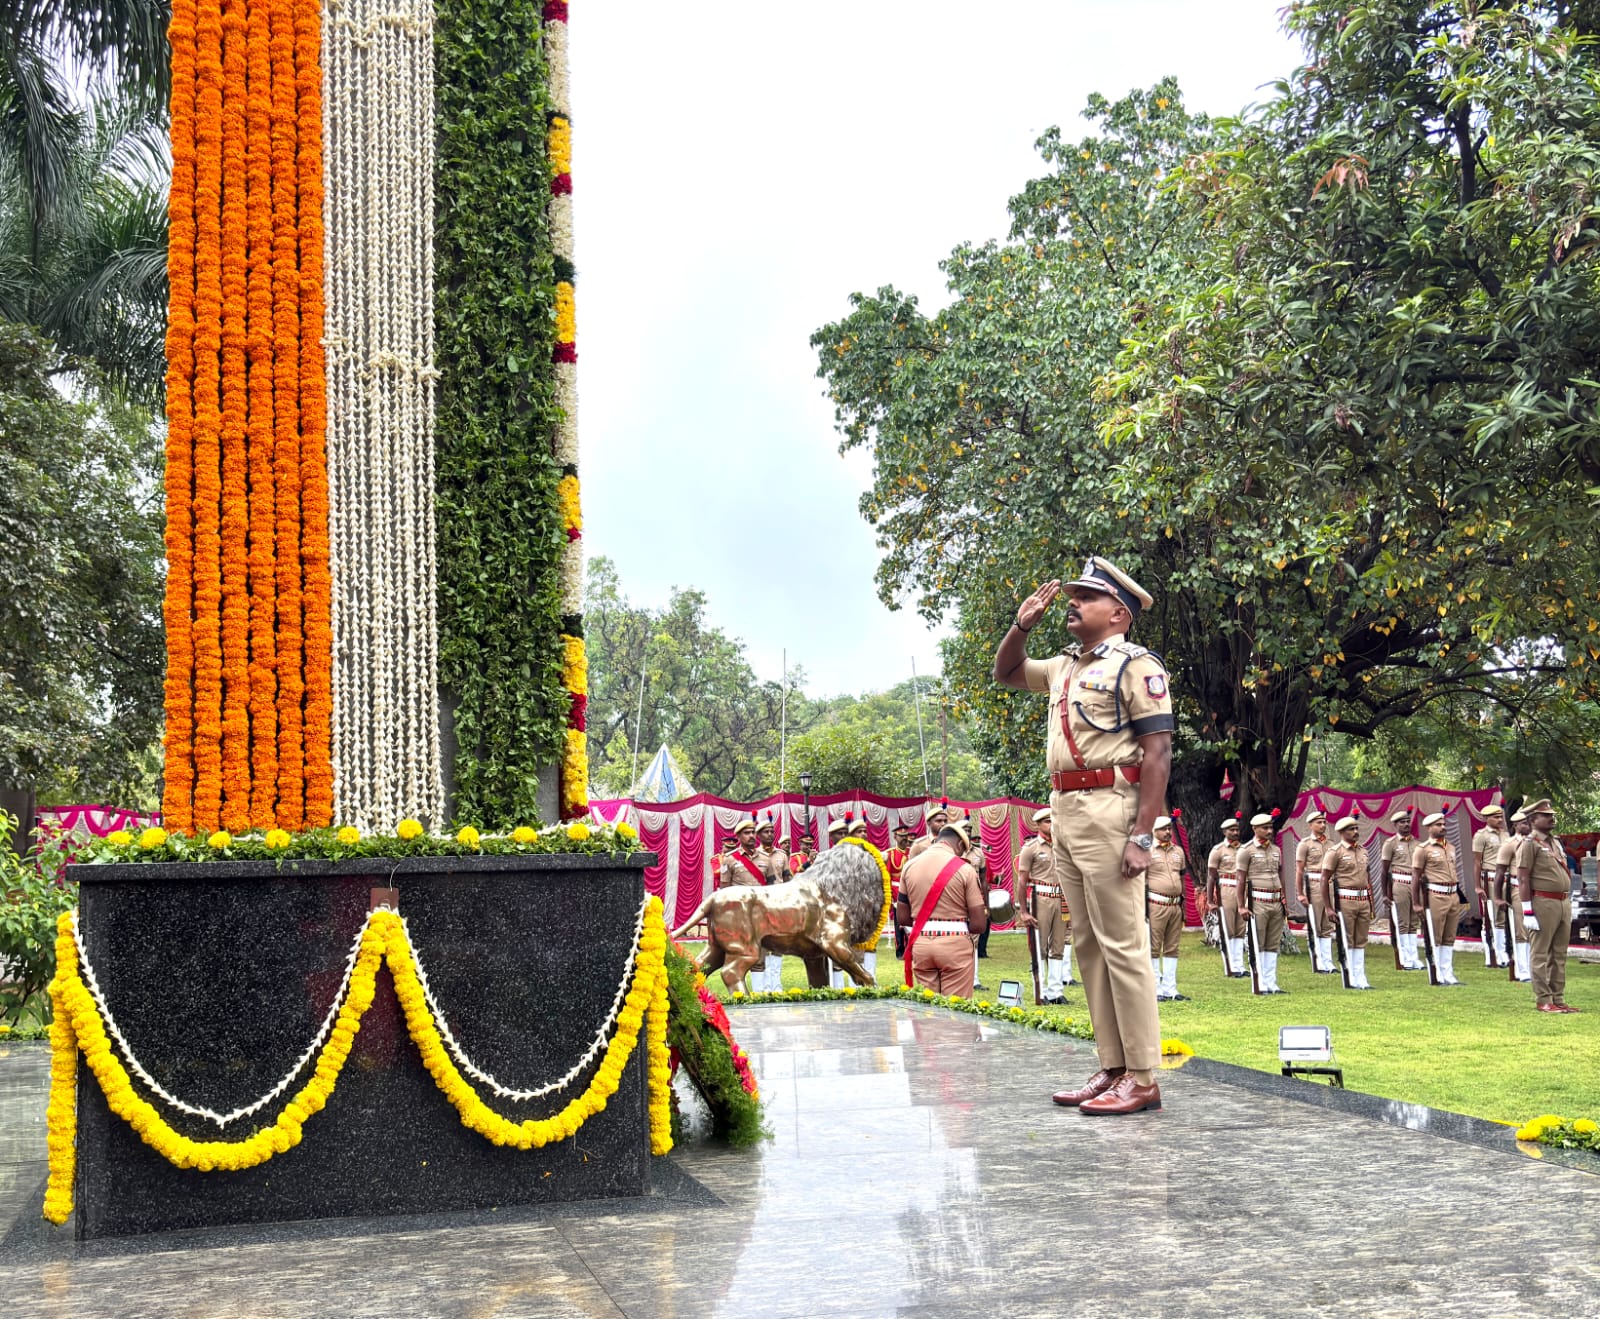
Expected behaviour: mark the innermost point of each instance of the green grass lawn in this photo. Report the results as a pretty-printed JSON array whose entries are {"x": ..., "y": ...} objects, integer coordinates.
[{"x": 1480, "y": 1049}]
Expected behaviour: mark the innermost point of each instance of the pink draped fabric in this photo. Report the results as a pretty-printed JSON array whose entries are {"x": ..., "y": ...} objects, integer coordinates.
[
  {"x": 997, "y": 844},
  {"x": 97, "y": 821},
  {"x": 691, "y": 862}
]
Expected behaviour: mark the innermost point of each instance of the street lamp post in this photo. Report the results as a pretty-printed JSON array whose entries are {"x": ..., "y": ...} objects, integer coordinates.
[{"x": 805, "y": 789}]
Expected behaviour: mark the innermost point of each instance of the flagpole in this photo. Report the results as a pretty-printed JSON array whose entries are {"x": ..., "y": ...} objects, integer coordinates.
[
  {"x": 783, "y": 728},
  {"x": 921, "y": 745}
]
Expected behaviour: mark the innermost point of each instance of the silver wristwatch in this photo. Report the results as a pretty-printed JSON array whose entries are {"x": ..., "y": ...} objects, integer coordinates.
[{"x": 1144, "y": 842}]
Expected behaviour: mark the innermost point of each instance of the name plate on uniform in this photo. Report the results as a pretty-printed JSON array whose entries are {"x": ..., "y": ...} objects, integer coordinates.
[
  {"x": 1305, "y": 1044},
  {"x": 1010, "y": 994}
]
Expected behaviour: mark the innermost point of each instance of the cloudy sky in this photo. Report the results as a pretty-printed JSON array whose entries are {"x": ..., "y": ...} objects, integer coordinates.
[{"x": 739, "y": 170}]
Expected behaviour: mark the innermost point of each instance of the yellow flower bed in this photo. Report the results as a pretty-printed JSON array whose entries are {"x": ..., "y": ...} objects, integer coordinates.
[{"x": 78, "y": 1025}]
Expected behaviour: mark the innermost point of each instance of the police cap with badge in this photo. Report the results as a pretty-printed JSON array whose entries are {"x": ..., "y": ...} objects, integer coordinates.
[{"x": 1105, "y": 577}]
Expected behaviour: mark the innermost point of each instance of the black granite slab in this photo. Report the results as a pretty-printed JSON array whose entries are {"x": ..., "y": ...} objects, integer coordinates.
[{"x": 220, "y": 974}]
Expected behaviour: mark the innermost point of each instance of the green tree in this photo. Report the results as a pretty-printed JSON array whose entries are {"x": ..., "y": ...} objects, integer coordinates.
[
  {"x": 981, "y": 417},
  {"x": 1358, "y": 455},
  {"x": 850, "y": 757},
  {"x": 81, "y": 647},
  {"x": 83, "y": 213},
  {"x": 701, "y": 696}
]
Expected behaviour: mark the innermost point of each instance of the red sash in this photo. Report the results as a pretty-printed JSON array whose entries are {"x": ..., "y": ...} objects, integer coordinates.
[
  {"x": 751, "y": 866},
  {"x": 928, "y": 904}
]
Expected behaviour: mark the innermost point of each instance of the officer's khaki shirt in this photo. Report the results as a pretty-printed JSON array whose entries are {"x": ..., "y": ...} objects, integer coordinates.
[
  {"x": 1507, "y": 855},
  {"x": 921, "y": 845},
  {"x": 1108, "y": 715},
  {"x": 1165, "y": 875},
  {"x": 962, "y": 899},
  {"x": 1346, "y": 864},
  {"x": 1544, "y": 863},
  {"x": 1037, "y": 864},
  {"x": 1223, "y": 859},
  {"x": 775, "y": 861},
  {"x": 734, "y": 871},
  {"x": 1311, "y": 852},
  {"x": 1261, "y": 867},
  {"x": 1433, "y": 863},
  {"x": 1486, "y": 844},
  {"x": 1398, "y": 854}
]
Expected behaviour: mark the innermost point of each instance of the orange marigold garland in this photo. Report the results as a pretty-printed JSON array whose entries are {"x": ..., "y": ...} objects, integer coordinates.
[
  {"x": 317, "y": 582},
  {"x": 260, "y": 428},
  {"x": 178, "y": 791},
  {"x": 289, "y": 780},
  {"x": 235, "y": 467},
  {"x": 208, "y": 421}
]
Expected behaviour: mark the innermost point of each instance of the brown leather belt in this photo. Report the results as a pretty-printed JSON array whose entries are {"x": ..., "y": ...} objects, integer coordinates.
[
  {"x": 1558, "y": 897},
  {"x": 1082, "y": 780}
]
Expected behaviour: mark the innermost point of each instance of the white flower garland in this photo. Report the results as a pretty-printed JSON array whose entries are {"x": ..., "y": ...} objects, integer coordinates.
[
  {"x": 378, "y": 177},
  {"x": 156, "y": 1088},
  {"x": 594, "y": 1050},
  {"x": 596, "y": 1047}
]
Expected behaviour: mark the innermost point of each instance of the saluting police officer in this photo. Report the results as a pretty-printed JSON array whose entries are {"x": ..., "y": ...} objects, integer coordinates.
[
  {"x": 1436, "y": 883},
  {"x": 1109, "y": 753},
  {"x": 1259, "y": 866},
  {"x": 1398, "y": 891},
  {"x": 1546, "y": 907},
  {"x": 1222, "y": 887}
]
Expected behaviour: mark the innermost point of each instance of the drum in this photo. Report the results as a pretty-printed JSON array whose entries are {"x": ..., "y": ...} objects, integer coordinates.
[{"x": 1001, "y": 908}]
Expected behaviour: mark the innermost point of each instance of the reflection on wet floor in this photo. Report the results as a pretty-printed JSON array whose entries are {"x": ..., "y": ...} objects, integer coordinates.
[{"x": 917, "y": 1167}]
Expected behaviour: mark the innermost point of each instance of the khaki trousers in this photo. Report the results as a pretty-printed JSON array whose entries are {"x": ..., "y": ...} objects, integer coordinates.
[
  {"x": 1108, "y": 927},
  {"x": 1166, "y": 925},
  {"x": 1052, "y": 925},
  {"x": 1548, "y": 956},
  {"x": 1404, "y": 906},
  {"x": 945, "y": 963},
  {"x": 1357, "y": 913},
  {"x": 1269, "y": 924},
  {"x": 1515, "y": 900},
  {"x": 1446, "y": 909},
  {"x": 1228, "y": 905},
  {"x": 1324, "y": 917}
]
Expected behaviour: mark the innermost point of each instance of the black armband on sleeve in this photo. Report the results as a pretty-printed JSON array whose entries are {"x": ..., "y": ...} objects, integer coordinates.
[{"x": 1154, "y": 723}]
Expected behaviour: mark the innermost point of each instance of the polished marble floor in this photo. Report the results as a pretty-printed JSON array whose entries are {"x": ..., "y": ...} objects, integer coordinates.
[{"x": 916, "y": 1167}]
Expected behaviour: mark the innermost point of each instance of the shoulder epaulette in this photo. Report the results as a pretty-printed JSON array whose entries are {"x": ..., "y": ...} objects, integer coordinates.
[{"x": 1130, "y": 650}]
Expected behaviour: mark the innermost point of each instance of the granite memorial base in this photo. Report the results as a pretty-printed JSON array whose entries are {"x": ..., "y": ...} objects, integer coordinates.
[{"x": 219, "y": 975}]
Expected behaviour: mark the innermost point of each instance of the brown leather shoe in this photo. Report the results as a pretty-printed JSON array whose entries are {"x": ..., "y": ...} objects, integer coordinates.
[
  {"x": 1097, "y": 1084},
  {"x": 1126, "y": 1096}
]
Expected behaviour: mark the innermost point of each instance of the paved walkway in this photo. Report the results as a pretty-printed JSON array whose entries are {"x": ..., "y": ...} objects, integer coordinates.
[{"x": 917, "y": 1167}]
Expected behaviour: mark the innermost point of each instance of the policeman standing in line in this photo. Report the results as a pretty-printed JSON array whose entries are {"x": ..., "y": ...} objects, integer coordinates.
[
  {"x": 1223, "y": 891},
  {"x": 939, "y": 879},
  {"x": 1506, "y": 874},
  {"x": 1259, "y": 866},
  {"x": 1436, "y": 883},
  {"x": 1164, "y": 910},
  {"x": 1399, "y": 897},
  {"x": 1347, "y": 895},
  {"x": 775, "y": 864},
  {"x": 936, "y": 814},
  {"x": 895, "y": 858},
  {"x": 1546, "y": 889},
  {"x": 1486, "y": 845},
  {"x": 1041, "y": 903},
  {"x": 1109, "y": 754},
  {"x": 1308, "y": 881}
]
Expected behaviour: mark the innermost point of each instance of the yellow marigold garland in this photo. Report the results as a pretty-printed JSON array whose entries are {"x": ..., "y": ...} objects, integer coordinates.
[
  {"x": 871, "y": 942},
  {"x": 78, "y": 1025}
]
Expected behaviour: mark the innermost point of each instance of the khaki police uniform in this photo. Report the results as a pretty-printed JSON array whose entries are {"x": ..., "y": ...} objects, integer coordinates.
[
  {"x": 1550, "y": 894},
  {"x": 734, "y": 871},
  {"x": 1345, "y": 867},
  {"x": 1486, "y": 845},
  {"x": 1260, "y": 870},
  {"x": 944, "y": 958},
  {"x": 775, "y": 862},
  {"x": 1222, "y": 860},
  {"x": 1507, "y": 861},
  {"x": 1308, "y": 858},
  {"x": 1164, "y": 898},
  {"x": 1397, "y": 853},
  {"x": 1433, "y": 872},
  {"x": 1102, "y": 702},
  {"x": 1037, "y": 866}
]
